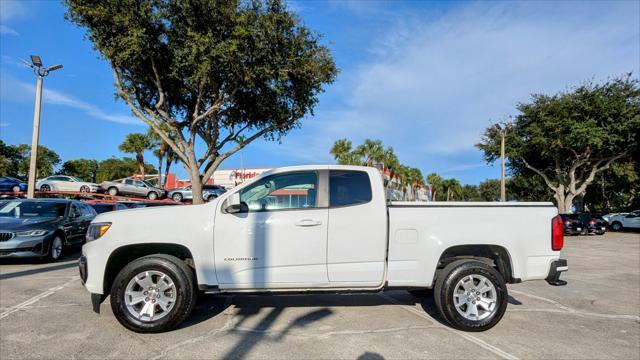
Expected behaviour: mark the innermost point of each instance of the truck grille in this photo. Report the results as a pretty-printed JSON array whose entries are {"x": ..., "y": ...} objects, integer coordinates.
[{"x": 6, "y": 236}]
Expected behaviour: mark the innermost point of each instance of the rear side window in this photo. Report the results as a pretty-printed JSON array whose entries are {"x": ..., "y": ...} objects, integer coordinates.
[{"x": 349, "y": 188}]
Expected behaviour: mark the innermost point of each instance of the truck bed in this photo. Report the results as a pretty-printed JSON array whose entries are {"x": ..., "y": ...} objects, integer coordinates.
[{"x": 420, "y": 231}]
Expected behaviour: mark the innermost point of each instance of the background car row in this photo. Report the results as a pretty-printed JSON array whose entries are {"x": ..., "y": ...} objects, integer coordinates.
[
  {"x": 122, "y": 187},
  {"x": 46, "y": 228}
]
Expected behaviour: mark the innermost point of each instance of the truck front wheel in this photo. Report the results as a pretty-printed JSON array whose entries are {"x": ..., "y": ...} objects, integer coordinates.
[
  {"x": 470, "y": 295},
  {"x": 154, "y": 293}
]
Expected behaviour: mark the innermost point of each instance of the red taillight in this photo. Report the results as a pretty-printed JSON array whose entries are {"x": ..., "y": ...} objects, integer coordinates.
[
  {"x": 568, "y": 222},
  {"x": 557, "y": 234},
  {"x": 592, "y": 222}
]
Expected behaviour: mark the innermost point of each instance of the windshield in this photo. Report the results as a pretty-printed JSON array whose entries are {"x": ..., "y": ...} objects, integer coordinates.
[
  {"x": 101, "y": 208},
  {"x": 147, "y": 183},
  {"x": 31, "y": 209},
  {"x": 76, "y": 179}
]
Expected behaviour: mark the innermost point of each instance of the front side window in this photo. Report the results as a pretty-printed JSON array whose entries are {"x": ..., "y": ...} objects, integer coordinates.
[
  {"x": 128, "y": 182},
  {"x": 348, "y": 188},
  {"x": 282, "y": 191}
]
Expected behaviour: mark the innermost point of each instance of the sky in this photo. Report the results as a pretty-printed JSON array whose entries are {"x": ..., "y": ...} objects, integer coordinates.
[{"x": 425, "y": 77}]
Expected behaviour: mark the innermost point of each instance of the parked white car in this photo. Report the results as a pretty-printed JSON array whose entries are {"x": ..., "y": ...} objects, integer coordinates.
[
  {"x": 66, "y": 183},
  {"x": 624, "y": 220},
  {"x": 318, "y": 229}
]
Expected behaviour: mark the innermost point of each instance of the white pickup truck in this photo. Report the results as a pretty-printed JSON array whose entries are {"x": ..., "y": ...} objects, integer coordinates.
[{"x": 315, "y": 229}]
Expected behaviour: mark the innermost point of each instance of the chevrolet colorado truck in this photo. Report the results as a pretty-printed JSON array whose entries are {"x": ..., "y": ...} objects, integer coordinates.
[{"x": 312, "y": 229}]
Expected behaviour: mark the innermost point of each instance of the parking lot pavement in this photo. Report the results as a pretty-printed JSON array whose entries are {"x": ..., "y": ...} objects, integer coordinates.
[{"x": 46, "y": 313}]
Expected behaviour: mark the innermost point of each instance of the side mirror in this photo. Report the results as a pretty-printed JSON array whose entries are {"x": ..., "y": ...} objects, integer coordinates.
[{"x": 234, "y": 205}]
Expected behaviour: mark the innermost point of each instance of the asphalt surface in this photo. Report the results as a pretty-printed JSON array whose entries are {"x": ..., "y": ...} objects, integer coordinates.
[{"x": 46, "y": 313}]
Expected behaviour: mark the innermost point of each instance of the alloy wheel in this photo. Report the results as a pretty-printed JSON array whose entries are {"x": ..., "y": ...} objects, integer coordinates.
[
  {"x": 150, "y": 295},
  {"x": 475, "y": 297}
]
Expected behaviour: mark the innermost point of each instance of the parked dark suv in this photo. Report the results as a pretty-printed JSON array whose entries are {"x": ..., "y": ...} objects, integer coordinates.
[
  {"x": 42, "y": 228},
  {"x": 572, "y": 224},
  {"x": 593, "y": 223}
]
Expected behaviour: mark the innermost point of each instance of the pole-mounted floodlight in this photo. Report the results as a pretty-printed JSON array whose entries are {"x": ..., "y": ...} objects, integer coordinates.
[
  {"x": 35, "y": 59},
  {"x": 41, "y": 72}
]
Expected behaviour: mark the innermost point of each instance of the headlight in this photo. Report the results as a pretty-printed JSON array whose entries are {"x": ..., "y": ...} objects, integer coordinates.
[
  {"x": 31, "y": 233},
  {"x": 96, "y": 230}
]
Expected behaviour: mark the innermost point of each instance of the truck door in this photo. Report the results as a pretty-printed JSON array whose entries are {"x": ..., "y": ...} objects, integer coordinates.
[
  {"x": 357, "y": 235},
  {"x": 279, "y": 240}
]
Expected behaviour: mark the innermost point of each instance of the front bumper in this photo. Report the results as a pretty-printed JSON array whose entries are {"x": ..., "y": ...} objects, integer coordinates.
[
  {"x": 24, "y": 247},
  {"x": 557, "y": 267},
  {"x": 96, "y": 299}
]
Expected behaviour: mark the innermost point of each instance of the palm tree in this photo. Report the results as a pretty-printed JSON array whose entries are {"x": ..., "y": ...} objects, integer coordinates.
[
  {"x": 452, "y": 188},
  {"x": 137, "y": 143},
  {"x": 162, "y": 149},
  {"x": 343, "y": 153},
  {"x": 436, "y": 185},
  {"x": 372, "y": 151}
]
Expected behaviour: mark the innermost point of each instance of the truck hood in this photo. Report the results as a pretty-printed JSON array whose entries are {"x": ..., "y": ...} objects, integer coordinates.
[{"x": 154, "y": 219}]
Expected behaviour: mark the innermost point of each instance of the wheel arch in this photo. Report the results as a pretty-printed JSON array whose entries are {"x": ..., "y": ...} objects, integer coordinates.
[
  {"x": 123, "y": 255},
  {"x": 494, "y": 255}
]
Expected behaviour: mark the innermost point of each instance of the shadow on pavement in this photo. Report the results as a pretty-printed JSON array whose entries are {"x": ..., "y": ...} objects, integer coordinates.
[{"x": 67, "y": 262}]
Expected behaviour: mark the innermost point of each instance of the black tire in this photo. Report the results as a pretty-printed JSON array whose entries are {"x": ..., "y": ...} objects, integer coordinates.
[
  {"x": 113, "y": 191},
  {"x": 177, "y": 197},
  {"x": 446, "y": 283},
  {"x": 45, "y": 187},
  {"x": 422, "y": 292},
  {"x": 53, "y": 253},
  {"x": 186, "y": 294},
  {"x": 211, "y": 197},
  {"x": 616, "y": 226},
  {"x": 85, "y": 189},
  {"x": 152, "y": 195},
  {"x": 15, "y": 188}
]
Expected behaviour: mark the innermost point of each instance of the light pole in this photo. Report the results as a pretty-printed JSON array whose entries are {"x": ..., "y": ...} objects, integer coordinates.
[
  {"x": 503, "y": 133},
  {"x": 41, "y": 72}
]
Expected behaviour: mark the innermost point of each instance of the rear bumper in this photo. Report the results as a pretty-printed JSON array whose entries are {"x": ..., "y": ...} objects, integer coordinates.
[{"x": 557, "y": 267}]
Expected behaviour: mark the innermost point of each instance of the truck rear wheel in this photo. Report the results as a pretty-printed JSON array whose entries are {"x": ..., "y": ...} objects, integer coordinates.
[
  {"x": 470, "y": 295},
  {"x": 153, "y": 294}
]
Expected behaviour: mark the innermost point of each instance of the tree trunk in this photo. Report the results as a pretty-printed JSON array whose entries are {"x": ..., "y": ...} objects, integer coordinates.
[
  {"x": 140, "y": 160},
  {"x": 196, "y": 187},
  {"x": 160, "y": 182},
  {"x": 166, "y": 170},
  {"x": 448, "y": 194}
]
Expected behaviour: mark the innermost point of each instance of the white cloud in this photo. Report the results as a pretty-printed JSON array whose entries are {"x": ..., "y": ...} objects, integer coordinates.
[
  {"x": 59, "y": 98},
  {"x": 434, "y": 84},
  {"x": 10, "y": 9},
  {"x": 8, "y": 31}
]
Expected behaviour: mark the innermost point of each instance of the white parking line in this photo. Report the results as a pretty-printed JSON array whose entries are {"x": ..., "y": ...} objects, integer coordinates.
[
  {"x": 503, "y": 354},
  {"x": 24, "y": 305},
  {"x": 566, "y": 309}
]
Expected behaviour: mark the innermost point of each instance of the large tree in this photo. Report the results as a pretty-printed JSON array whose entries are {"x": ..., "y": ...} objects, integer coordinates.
[
  {"x": 218, "y": 73},
  {"x": 83, "y": 168},
  {"x": 137, "y": 143},
  {"x": 47, "y": 160},
  {"x": 568, "y": 138},
  {"x": 113, "y": 169},
  {"x": 9, "y": 159}
]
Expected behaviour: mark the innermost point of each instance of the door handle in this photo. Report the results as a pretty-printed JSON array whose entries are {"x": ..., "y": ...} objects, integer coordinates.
[{"x": 308, "y": 222}]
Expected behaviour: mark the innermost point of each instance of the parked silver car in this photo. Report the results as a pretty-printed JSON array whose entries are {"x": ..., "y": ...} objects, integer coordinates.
[
  {"x": 133, "y": 187},
  {"x": 209, "y": 192}
]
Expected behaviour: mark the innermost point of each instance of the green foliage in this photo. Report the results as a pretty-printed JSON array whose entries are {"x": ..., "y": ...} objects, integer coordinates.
[
  {"x": 113, "y": 168},
  {"x": 9, "y": 159},
  {"x": 83, "y": 168},
  {"x": 470, "y": 193},
  {"x": 489, "y": 190},
  {"x": 568, "y": 138},
  {"x": 615, "y": 189},
  {"x": 47, "y": 160},
  {"x": 222, "y": 72}
]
